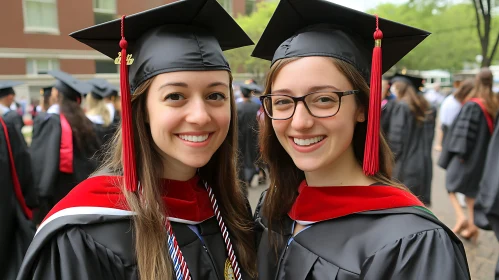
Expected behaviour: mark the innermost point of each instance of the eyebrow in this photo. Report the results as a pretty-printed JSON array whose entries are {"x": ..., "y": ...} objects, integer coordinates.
[
  {"x": 312, "y": 89},
  {"x": 180, "y": 84}
]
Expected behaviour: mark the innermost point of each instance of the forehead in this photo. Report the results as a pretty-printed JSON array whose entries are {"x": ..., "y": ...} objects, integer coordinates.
[
  {"x": 308, "y": 72},
  {"x": 192, "y": 78}
]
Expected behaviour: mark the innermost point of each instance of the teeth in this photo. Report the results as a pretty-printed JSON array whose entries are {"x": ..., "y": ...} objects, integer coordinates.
[
  {"x": 307, "y": 142},
  {"x": 194, "y": 138}
]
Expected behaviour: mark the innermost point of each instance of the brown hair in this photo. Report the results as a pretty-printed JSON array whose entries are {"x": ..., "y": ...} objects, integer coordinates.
[
  {"x": 483, "y": 90},
  {"x": 220, "y": 173},
  {"x": 285, "y": 176},
  {"x": 464, "y": 90},
  {"x": 417, "y": 103},
  {"x": 83, "y": 131}
]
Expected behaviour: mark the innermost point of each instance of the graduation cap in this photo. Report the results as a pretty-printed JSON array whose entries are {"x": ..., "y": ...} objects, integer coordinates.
[
  {"x": 69, "y": 86},
  {"x": 46, "y": 91},
  {"x": 102, "y": 88},
  {"x": 322, "y": 28},
  {"x": 248, "y": 88},
  {"x": 188, "y": 35},
  {"x": 7, "y": 87},
  {"x": 416, "y": 82}
]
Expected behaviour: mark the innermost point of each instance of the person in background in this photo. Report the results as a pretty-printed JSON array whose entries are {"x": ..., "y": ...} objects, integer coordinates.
[
  {"x": 247, "y": 124},
  {"x": 98, "y": 110},
  {"x": 412, "y": 128},
  {"x": 434, "y": 97},
  {"x": 45, "y": 99},
  {"x": 8, "y": 109},
  {"x": 63, "y": 144},
  {"x": 487, "y": 199},
  {"x": 387, "y": 103},
  {"x": 465, "y": 148}
]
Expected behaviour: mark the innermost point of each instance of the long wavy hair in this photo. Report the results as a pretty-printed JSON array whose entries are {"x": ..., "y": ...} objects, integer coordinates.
[
  {"x": 418, "y": 105},
  {"x": 97, "y": 107},
  {"x": 483, "y": 89},
  {"x": 285, "y": 177},
  {"x": 83, "y": 131},
  {"x": 220, "y": 172}
]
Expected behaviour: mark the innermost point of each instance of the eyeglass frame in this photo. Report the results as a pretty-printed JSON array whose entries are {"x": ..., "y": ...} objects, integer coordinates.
[{"x": 302, "y": 99}]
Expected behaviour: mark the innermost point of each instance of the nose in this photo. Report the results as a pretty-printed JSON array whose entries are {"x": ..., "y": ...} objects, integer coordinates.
[
  {"x": 302, "y": 120},
  {"x": 198, "y": 113}
]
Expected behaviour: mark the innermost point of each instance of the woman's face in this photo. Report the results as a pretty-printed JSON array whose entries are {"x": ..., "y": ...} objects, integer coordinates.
[
  {"x": 315, "y": 143},
  {"x": 189, "y": 116}
]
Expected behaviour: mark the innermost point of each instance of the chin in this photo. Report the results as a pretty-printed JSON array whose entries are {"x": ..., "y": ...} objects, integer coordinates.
[
  {"x": 308, "y": 164},
  {"x": 195, "y": 161}
]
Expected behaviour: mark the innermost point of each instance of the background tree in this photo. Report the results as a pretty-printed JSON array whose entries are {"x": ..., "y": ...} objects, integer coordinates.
[{"x": 483, "y": 10}]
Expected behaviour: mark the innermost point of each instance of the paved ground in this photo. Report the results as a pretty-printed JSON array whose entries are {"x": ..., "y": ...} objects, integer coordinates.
[{"x": 482, "y": 257}]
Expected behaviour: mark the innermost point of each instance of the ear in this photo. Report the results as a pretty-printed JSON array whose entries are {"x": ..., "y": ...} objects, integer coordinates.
[{"x": 360, "y": 115}]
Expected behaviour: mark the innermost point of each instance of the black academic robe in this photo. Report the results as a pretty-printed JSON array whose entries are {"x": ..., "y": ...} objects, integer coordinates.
[
  {"x": 98, "y": 243},
  {"x": 14, "y": 118},
  {"x": 52, "y": 184},
  {"x": 104, "y": 133},
  {"x": 386, "y": 114},
  {"x": 487, "y": 201},
  {"x": 247, "y": 138},
  {"x": 400, "y": 243},
  {"x": 14, "y": 237},
  {"x": 411, "y": 144},
  {"x": 464, "y": 150}
]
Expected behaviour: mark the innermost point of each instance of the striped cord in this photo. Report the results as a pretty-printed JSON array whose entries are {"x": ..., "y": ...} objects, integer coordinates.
[
  {"x": 225, "y": 233},
  {"x": 179, "y": 264}
]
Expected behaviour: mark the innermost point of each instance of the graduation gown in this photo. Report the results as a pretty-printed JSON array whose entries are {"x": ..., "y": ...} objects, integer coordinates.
[
  {"x": 399, "y": 243},
  {"x": 52, "y": 184},
  {"x": 14, "y": 236},
  {"x": 411, "y": 143},
  {"x": 247, "y": 138},
  {"x": 14, "y": 118},
  {"x": 487, "y": 200},
  {"x": 464, "y": 150},
  {"x": 386, "y": 114},
  {"x": 97, "y": 242}
]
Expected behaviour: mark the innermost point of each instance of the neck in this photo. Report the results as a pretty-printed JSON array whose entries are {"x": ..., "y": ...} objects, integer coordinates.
[{"x": 345, "y": 171}]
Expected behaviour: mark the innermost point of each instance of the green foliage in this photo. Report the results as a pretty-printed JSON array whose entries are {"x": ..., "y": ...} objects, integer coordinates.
[
  {"x": 240, "y": 59},
  {"x": 454, "y": 39},
  {"x": 453, "y": 42}
]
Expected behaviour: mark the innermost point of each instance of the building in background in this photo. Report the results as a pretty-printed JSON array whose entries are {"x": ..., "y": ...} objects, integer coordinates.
[{"x": 35, "y": 38}]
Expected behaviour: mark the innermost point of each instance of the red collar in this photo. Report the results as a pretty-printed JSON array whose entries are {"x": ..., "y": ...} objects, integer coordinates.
[
  {"x": 186, "y": 202},
  {"x": 316, "y": 204}
]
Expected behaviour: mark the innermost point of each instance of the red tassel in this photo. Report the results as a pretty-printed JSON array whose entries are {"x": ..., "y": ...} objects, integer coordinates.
[
  {"x": 129, "y": 164},
  {"x": 371, "y": 151}
]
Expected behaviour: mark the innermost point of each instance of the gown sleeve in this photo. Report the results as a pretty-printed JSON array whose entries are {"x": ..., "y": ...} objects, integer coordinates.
[
  {"x": 465, "y": 130},
  {"x": 73, "y": 254},
  {"x": 425, "y": 255},
  {"x": 398, "y": 124}
]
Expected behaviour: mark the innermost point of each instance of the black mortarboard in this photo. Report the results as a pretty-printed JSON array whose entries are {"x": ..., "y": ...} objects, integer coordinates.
[
  {"x": 69, "y": 86},
  {"x": 102, "y": 88},
  {"x": 46, "y": 91},
  {"x": 416, "y": 82},
  {"x": 246, "y": 89},
  {"x": 6, "y": 87},
  {"x": 181, "y": 36},
  {"x": 302, "y": 28}
]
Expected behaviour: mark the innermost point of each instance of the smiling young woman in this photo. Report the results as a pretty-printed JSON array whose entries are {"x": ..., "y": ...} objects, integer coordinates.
[
  {"x": 166, "y": 203},
  {"x": 325, "y": 215}
]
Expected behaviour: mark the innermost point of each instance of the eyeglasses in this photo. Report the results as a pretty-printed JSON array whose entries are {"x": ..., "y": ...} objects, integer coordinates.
[{"x": 322, "y": 104}]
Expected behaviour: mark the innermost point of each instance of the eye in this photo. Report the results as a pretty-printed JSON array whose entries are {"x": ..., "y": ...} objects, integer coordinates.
[
  {"x": 282, "y": 101},
  {"x": 217, "y": 96},
  {"x": 174, "y": 97}
]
